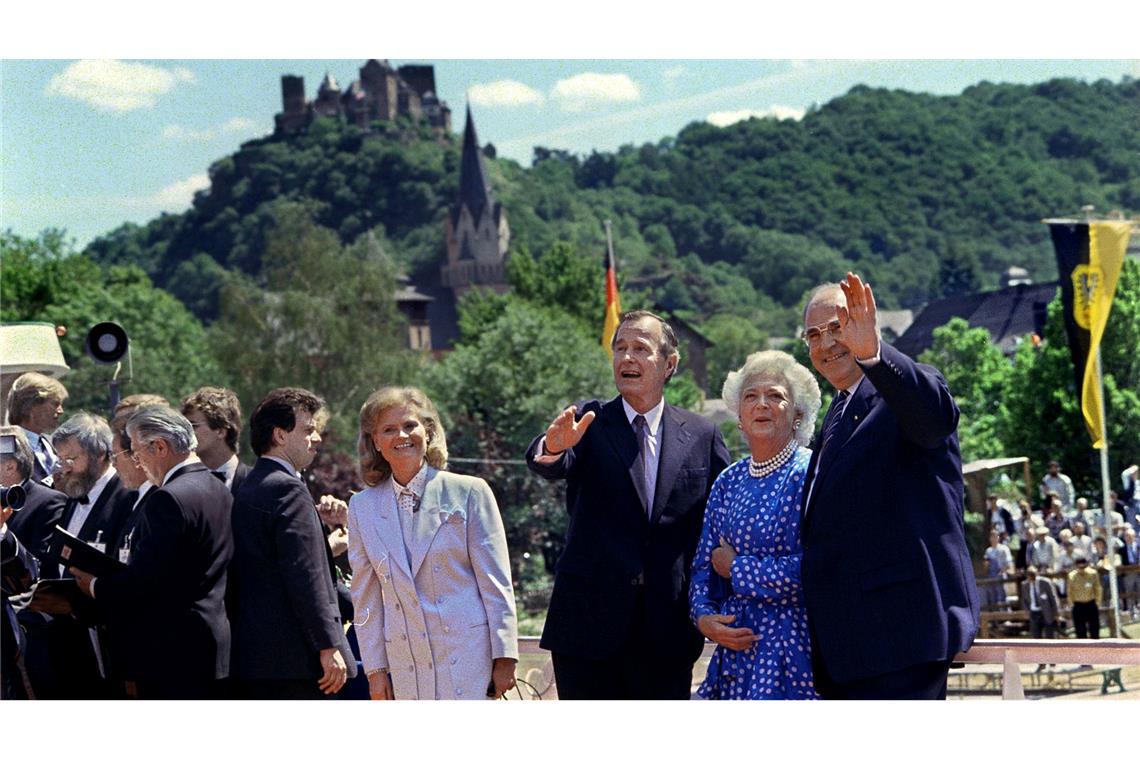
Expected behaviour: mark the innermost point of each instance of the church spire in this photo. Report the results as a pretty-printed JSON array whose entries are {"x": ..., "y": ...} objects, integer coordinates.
[{"x": 474, "y": 187}]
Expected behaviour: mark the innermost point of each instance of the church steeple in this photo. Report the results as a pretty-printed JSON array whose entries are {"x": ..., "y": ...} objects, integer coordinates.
[
  {"x": 477, "y": 231},
  {"x": 474, "y": 188}
]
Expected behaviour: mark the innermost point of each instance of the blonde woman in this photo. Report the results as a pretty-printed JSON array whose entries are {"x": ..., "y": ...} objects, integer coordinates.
[{"x": 431, "y": 585}]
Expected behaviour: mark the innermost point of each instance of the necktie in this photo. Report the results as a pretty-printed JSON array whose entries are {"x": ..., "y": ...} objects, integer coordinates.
[
  {"x": 834, "y": 415},
  {"x": 641, "y": 429},
  {"x": 407, "y": 499},
  {"x": 81, "y": 499},
  {"x": 219, "y": 475}
]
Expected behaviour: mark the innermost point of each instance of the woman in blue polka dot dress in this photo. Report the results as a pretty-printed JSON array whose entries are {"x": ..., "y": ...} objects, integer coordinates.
[{"x": 745, "y": 593}]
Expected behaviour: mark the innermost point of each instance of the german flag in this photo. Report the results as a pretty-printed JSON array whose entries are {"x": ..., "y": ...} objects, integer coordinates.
[
  {"x": 1089, "y": 258},
  {"x": 613, "y": 304}
]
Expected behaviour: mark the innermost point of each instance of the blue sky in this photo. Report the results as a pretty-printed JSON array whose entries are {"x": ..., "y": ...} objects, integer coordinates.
[{"x": 113, "y": 135}]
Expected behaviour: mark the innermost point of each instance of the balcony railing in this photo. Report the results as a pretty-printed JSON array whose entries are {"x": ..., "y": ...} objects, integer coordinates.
[{"x": 536, "y": 669}]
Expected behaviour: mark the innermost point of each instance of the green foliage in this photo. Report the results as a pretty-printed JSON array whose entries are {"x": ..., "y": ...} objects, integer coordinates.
[
  {"x": 500, "y": 387},
  {"x": 682, "y": 390},
  {"x": 976, "y": 372},
  {"x": 1031, "y": 407},
  {"x": 321, "y": 317},
  {"x": 733, "y": 339},
  {"x": 924, "y": 195},
  {"x": 45, "y": 281}
]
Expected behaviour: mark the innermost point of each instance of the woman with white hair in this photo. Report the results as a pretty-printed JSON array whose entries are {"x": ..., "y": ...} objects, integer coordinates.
[{"x": 745, "y": 593}]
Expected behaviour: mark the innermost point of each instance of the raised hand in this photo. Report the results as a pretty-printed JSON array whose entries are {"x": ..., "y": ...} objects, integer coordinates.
[
  {"x": 860, "y": 333},
  {"x": 565, "y": 431}
]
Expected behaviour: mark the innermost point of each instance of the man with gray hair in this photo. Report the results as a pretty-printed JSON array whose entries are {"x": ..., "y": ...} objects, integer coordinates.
[
  {"x": 170, "y": 598},
  {"x": 35, "y": 403},
  {"x": 65, "y": 654}
]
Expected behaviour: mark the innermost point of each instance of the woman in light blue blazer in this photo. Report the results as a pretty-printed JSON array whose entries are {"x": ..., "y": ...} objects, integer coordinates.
[{"x": 431, "y": 580}]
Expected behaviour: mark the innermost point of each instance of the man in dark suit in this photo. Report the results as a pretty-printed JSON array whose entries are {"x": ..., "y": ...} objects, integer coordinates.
[
  {"x": 171, "y": 594},
  {"x": 18, "y": 571},
  {"x": 215, "y": 414},
  {"x": 887, "y": 578},
  {"x": 65, "y": 652},
  {"x": 289, "y": 641},
  {"x": 43, "y": 506},
  {"x": 638, "y": 474},
  {"x": 35, "y": 403}
]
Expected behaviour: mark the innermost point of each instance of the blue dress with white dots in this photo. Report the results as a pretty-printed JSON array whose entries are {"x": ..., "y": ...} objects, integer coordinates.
[{"x": 760, "y": 518}]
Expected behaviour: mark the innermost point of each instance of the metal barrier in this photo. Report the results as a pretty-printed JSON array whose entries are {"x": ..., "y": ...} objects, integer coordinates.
[{"x": 1009, "y": 653}]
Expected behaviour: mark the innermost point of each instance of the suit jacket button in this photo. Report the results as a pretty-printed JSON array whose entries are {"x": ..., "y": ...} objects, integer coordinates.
[
  {"x": 459, "y": 692},
  {"x": 403, "y": 637},
  {"x": 446, "y": 629}
]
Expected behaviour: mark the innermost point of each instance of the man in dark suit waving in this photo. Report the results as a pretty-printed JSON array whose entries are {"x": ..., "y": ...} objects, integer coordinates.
[
  {"x": 887, "y": 578},
  {"x": 171, "y": 597},
  {"x": 638, "y": 474},
  {"x": 289, "y": 641}
]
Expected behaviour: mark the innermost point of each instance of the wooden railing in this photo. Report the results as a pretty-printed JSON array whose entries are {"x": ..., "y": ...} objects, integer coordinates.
[{"x": 537, "y": 670}]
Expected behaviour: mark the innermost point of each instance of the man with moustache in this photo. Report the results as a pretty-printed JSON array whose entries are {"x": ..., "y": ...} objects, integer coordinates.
[
  {"x": 638, "y": 474},
  {"x": 35, "y": 403},
  {"x": 65, "y": 654},
  {"x": 887, "y": 578},
  {"x": 170, "y": 597},
  {"x": 289, "y": 640},
  {"x": 215, "y": 414}
]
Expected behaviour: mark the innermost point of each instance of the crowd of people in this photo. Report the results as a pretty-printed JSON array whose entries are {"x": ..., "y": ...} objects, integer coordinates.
[
  {"x": 832, "y": 566},
  {"x": 1059, "y": 557}
]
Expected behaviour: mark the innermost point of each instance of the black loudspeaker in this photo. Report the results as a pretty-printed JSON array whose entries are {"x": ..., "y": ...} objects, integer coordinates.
[{"x": 107, "y": 343}]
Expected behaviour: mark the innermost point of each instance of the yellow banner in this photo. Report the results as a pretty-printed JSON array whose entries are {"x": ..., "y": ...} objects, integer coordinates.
[{"x": 1094, "y": 286}]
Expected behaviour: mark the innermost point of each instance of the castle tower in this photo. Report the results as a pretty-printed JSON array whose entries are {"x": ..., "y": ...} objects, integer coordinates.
[
  {"x": 328, "y": 97},
  {"x": 477, "y": 231},
  {"x": 294, "y": 111}
]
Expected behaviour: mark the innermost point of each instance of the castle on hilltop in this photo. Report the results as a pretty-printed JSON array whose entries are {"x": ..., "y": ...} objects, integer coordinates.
[{"x": 380, "y": 94}]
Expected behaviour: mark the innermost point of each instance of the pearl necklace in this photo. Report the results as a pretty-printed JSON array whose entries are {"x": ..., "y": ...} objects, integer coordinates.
[{"x": 768, "y": 466}]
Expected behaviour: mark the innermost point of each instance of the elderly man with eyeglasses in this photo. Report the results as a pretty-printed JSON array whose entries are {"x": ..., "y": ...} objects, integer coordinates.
[
  {"x": 887, "y": 578},
  {"x": 170, "y": 595}
]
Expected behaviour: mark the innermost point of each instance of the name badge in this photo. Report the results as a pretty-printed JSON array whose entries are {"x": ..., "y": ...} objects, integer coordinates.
[
  {"x": 125, "y": 556},
  {"x": 98, "y": 545}
]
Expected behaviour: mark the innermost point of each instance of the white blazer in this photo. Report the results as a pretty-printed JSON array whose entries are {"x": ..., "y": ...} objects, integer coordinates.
[{"x": 437, "y": 623}]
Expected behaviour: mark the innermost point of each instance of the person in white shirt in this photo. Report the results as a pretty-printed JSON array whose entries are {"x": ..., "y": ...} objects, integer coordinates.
[
  {"x": 35, "y": 403},
  {"x": 1060, "y": 483}
]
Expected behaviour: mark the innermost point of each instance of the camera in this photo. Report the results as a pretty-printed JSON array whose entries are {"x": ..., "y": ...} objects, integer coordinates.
[{"x": 13, "y": 497}]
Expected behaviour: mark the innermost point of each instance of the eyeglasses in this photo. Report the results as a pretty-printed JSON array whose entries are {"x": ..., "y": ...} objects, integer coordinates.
[
  {"x": 814, "y": 334},
  {"x": 67, "y": 462},
  {"x": 124, "y": 453}
]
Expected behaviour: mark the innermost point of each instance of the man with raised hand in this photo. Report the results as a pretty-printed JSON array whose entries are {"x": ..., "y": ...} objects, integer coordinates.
[
  {"x": 887, "y": 578},
  {"x": 638, "y": 473}
]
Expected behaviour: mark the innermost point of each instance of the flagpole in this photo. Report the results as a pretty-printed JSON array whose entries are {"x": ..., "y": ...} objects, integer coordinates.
[{"x": 1107, "y": 507}]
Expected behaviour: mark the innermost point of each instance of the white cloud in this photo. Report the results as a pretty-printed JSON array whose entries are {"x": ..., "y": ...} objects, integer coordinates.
[
  {"x": 179, "y": 133},
  {"x": 116, "y": 85},
  {"x": 675, "y": 72},
  {"x": 583, "y": 91},
  {"x": 505, "y": 92},
  {"x": 239, "y": 124},
  {"x": 725, "y": 118},
  {"x": 173, "y": 197}
]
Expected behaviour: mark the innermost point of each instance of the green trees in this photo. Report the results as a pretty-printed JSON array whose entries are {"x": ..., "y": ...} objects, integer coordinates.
[
  {"x": 46, "y": 281},
  {"x": 1031, "y": 407},
  {"x": 320, "y": 316},
  {"x": 925, "y": 196}
]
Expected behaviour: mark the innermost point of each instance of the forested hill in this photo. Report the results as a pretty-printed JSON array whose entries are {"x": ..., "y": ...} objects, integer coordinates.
[{"x": 926, "y": 195}]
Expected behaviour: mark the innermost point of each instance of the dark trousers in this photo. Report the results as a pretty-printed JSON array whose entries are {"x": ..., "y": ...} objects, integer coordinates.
[
  {"x": 278, "y": 688},
  {"x": 926, "y": 680},
  {"x": 182, "y": 689},
  {"x": 632, "y": 673},
  {"x": 1038, "y": 628},
  {"x": 1086, "y": 620}
]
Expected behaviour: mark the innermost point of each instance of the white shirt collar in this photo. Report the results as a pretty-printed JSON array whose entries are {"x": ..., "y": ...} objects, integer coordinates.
[
  {"x": 229, "y": 467},
  {"x": 192, "y": 459},
  {"x": 855, "y": 387},
  {"x": 289, "y": 468},
  {"x": 100, "y": 484},
  {"x": 652, "y": 417}
]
